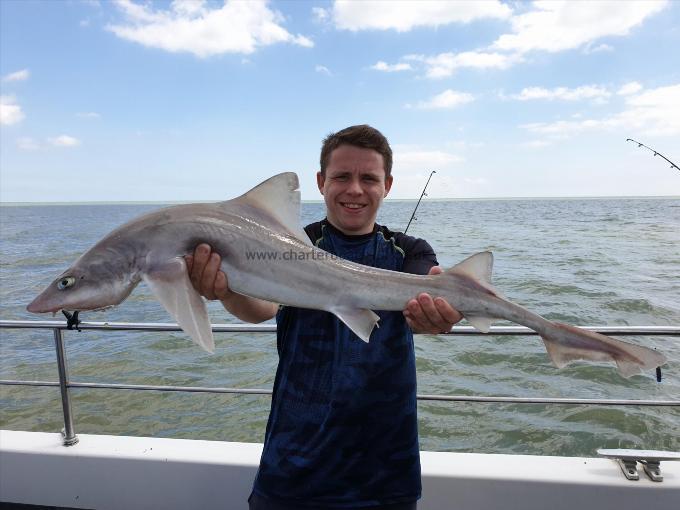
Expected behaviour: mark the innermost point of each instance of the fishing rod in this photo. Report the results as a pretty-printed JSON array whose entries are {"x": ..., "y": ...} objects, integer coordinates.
[
  {"x": 423, "y": 194},
  {"x": 656, "y": 153}
]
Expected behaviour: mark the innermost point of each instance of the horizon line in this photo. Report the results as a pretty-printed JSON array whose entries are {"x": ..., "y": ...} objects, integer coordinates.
[{"x": 451, "y": 199}]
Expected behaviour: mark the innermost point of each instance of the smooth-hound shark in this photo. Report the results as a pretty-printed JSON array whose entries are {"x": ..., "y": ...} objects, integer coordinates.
[{"x": 266, "y": 254}]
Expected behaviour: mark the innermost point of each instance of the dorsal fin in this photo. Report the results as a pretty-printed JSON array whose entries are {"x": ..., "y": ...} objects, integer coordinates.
[
  {"x": 479, "y": 266},
  {"x": 279, "y": 196}
]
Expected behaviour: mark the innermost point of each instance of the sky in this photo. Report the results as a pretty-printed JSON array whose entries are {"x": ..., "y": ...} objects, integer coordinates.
[{"x": 132, "y": 100}]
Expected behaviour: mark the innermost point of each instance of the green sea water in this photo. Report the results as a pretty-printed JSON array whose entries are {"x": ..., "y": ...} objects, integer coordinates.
[{"x": 581, "y": 261}]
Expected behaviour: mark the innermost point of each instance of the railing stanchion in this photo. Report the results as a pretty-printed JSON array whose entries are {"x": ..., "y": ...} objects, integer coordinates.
[{"x": 69, "y": 433}]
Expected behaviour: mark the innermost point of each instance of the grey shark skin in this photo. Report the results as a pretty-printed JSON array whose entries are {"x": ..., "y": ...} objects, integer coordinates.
[{"x": 267, "y": 255}]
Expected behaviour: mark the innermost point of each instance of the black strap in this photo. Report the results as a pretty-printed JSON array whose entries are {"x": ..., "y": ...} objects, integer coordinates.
[{"x": 72, "y": 319}]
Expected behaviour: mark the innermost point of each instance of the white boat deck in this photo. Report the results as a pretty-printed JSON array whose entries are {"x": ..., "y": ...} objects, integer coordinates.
[{"x": 114, "y": 472}]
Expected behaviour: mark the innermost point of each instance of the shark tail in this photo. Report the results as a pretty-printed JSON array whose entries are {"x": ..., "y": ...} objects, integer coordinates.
[{"x": 566, "y": 343}]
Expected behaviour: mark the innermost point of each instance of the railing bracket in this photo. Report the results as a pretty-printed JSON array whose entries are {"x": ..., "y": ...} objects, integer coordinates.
[{"x": 68, "y": 441}]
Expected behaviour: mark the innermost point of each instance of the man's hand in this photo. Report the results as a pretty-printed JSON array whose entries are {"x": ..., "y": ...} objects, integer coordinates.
[
  {"x": 211, "y": 283},
  {"x": 205, "y": 274},
  {"x": 427, "y": 315}
]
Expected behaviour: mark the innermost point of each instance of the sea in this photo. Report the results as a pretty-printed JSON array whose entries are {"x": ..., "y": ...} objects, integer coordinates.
[{"x": 594, "y": 262}]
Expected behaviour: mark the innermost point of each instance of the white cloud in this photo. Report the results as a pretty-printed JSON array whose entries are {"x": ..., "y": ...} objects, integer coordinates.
[
  {"x": 561, "y": 25},
  {"x": 10, "y": 111},
  {"x": 408, "y": 14},
  {"x": 536, "y": 144},
  {"x": 549, "y": 25},
  {"x": 88, "y": 115},
  {"x": 629, "y": 88},
  {"x": 655, "y": 112},
  {"x": 445, "y": 64},
  {"x": 391, "y": 68},
  {"x": 412, "y": 167},
  {"x": 323, "y": 70},
  {"x": 17, "y": 76},
  {"x": 465, "y": 145},
  {"x": 416, "y": 159},
  {"x": 320, "y": 14},
  {"x": 188, "y": 7},
  {"x": 562, "y": 127},
  {"x": 446, "y": 100},
  {"x": 476, "y": 180},
  {"x": 27, "y": 144},
  {"x": 63, "y": 141},
  {"x": 590, "y": 48},
  {"x": 30, "y": 144},
  {"x": 303, "y": 41},
  {"x": 563, "y": 93},
  {"x": 194, "y": 27}
]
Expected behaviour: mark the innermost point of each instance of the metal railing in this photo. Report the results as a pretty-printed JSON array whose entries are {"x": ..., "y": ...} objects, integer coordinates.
[{"x": 65, "y": 384}]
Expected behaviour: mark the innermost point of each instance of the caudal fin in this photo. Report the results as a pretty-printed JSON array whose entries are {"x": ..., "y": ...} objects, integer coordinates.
[{"x": 566, "y": 343}]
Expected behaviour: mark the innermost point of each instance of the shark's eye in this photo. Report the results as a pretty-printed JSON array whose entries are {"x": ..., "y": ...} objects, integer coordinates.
[{"x": 66, "y": 282}]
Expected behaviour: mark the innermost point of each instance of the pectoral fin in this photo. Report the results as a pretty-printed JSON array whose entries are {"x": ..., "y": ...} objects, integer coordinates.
[
  {"x": 171, "y": 285},
  {"x": 359, "y": 320}
]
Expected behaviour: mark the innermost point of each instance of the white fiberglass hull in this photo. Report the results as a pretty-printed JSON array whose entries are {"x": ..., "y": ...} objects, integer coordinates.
[{"x": 114, "y": 472}]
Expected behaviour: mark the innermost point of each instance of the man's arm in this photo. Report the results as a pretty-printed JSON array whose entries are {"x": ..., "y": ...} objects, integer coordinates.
[
  {"x": 427, "y": 315},
  {"x": 211, "y": 283}
]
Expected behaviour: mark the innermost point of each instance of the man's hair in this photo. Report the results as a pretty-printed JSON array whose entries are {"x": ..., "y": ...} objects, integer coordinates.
[{"x": 362, "y": 136}]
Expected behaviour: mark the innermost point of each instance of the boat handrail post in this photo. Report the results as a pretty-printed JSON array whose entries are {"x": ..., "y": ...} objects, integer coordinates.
[{"x": 69, "y": 433}]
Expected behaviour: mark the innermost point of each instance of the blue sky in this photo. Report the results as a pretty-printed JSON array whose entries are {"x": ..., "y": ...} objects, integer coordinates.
[{"x": 165, "y": 101}]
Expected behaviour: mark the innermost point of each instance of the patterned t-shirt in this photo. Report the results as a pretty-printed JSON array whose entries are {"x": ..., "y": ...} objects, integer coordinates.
[{"x": 342, "y": 430}]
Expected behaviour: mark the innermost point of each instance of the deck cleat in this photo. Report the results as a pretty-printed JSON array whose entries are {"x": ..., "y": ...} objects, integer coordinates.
[{"x": 650, "y": 460}]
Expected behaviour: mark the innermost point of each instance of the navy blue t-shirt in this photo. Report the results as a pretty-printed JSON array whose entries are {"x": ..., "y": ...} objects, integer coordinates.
[{"x": 342, "y": 430}]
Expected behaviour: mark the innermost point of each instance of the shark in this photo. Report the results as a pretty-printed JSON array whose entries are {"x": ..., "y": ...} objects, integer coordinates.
[{"x": 267, "y": 255}]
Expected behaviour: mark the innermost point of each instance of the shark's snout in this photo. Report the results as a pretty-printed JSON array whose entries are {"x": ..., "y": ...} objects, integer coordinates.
[{"x": 40, "y": 305}]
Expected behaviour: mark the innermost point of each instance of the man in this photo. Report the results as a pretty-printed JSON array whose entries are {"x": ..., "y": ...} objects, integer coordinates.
[{"x": 342, "y": 430}]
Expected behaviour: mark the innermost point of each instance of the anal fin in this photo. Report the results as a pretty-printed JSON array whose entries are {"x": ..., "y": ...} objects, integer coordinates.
[
  {"x": 171, "y": 285},
  {"x": 359, "y": 320},
  {"x": 483, "y": 324}
]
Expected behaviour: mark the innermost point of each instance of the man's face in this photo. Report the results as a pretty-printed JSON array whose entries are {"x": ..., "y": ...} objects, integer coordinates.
[{"x": 353, "y": 188}]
